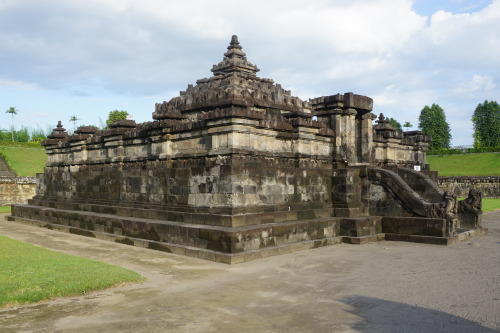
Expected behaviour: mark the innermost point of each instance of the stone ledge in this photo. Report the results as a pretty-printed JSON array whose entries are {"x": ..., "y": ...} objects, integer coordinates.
[
  {"x": 17, "y": 180},
  {"x": 461, "y": 236},
  {"x": 206, "y": 254},
  {"x": 228, "y": 240},
  {"x": 363, "y": 239}
]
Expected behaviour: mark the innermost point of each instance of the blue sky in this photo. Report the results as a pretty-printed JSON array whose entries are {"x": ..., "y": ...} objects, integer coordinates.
[{"x": 85, "y": 58}]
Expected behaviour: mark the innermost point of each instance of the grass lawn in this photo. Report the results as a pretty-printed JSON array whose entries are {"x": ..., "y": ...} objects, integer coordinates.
[
  {"x": 490, "y": 204},
  {"x": 485, "y": 164},
  {"x": 25, "y": 161},
  {"x": 30, "y": 274},
  {"x": 4, "y": 209}
]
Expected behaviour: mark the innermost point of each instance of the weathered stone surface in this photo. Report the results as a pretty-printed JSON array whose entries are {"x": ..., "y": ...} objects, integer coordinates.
[
  {"x": 16, "y": 190},
  {"x": 460, "y": 186}
]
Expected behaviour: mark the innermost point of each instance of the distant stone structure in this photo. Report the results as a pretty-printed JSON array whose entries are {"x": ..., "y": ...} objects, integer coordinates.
[
  {"x": 236, "y": 168},
  {"x": 489, "y": 186},
  {"x": 16, "y": 190},
  {"x": 13, "y": 189}
]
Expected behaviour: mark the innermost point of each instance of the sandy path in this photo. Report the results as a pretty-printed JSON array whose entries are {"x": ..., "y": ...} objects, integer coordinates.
[{"x": 380, "y": 287}]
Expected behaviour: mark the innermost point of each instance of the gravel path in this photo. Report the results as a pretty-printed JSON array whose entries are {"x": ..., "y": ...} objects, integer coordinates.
[{"x": 379, "y": 287}]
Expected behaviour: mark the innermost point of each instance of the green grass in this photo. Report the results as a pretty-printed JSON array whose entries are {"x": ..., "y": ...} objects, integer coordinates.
[
  {"x": 4, "y": 209},
  {"x": 485, "y": 164},
  {"x": 24, "y": 161},
  {"x": 490, "y": 204},
  {"x": 31, "y": 274},
  {"x": 21, "y": 144}
]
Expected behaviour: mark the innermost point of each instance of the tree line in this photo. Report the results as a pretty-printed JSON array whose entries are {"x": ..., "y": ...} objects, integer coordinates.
[
  {"x": 26, "y": 134},
  {"x": 485, "y": 121},
  {"x": 432, "y": 121}
]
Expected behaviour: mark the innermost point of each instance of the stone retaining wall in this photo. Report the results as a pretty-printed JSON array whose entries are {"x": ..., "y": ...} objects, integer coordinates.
[
  {"x": 16, "y": 190},
  {"x": 489, "y": 186}
]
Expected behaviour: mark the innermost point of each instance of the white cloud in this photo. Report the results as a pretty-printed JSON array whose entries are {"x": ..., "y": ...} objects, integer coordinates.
[
  {"x": 477, "y": 83},
  {"x": 95, "y": 49},
  {"x": 18, "y": 85}
]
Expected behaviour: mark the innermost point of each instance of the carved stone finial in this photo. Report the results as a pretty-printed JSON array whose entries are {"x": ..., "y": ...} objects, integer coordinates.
[
  {"x": 383, "y": 124},
  {"x": 234, "y": 61},
  {"x": 234, "y": 44},
  {"x": 59, "y": 132}
]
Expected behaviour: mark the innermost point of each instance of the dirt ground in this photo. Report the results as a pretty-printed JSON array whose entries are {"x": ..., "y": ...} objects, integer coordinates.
[{"x": 378, "y": 287}]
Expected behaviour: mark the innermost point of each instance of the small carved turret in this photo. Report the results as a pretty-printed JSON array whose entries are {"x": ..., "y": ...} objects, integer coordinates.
[
  {"x": 58, "y": 134},
  {"x": 383, "y": 124}
]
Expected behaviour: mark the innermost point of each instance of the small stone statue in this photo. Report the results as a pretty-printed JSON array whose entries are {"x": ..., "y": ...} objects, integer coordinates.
[
  {"x": 473, "y": 204},
  {"x": 446, "y": 209}
]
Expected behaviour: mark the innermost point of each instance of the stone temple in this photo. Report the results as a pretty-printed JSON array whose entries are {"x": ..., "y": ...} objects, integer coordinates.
[{"x": 236, "y": 168}]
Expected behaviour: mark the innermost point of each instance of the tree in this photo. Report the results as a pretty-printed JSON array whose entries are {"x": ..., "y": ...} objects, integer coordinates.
[
  {"x": 486, "y": 120},
  {"x": 74, "y": 119},
  {"x": 432, "y": 121},
  {"x": 396, "y": 124},
  {"x": 13, "y": 111},
  {"x": 407, "y": 125},
  {"x": 116, "y": 115}
]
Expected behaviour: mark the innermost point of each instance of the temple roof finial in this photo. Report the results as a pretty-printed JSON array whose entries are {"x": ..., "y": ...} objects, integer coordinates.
[
  {"x": 234, "y": 60},
  {"x": 234, "y": 43}
]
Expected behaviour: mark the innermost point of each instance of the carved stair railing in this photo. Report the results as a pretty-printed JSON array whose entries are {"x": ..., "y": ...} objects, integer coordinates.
[
  {"x": 400, "y": 190},
  {"x": 412, "y": 201},
  {"x": 434, "y": 202},
  {"x": 431, "y": 193}
]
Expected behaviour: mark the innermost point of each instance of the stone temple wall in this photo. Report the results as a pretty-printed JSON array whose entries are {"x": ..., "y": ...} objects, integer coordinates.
[
  {"x": 16, "y": 190},
  {"x": 460, "y": 186},
  {"x": 404, "y": 149},
  {"x": 228, "y": 164}
]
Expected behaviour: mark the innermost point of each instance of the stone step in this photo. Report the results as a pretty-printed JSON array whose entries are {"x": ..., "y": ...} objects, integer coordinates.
[
  {"x": 182, "y": 249},
  {"x": 217, "y": 238},
  {"x": 180, "y": 214}
]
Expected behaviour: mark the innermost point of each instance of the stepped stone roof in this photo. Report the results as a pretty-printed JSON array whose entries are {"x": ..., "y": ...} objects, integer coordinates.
[{"x": 234, "y": 83}]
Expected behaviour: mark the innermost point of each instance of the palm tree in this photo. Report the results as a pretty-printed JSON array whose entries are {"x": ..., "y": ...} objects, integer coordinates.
[
  {"x": 74, "y": 119},
  {"x": 407, "y": 125},
  {"x": 13, "y": 111}
]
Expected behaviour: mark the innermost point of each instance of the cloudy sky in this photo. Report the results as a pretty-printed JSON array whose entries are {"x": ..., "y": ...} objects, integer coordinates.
[{"x": 85, "y": 58}]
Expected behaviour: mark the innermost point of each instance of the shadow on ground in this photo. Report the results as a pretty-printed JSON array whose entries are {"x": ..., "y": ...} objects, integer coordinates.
[{"x": 378, "y": 315}]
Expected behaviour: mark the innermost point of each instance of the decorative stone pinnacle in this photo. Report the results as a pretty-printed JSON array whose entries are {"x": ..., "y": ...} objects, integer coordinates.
[
  {"x": 59, "y": 127},
  {"x": 59, "y": 132},
  {"x": 381, "y": 119},
  {"x": 234, "y": 43},
  {"x": 383, "y": 124},
  {"x": 234, "y": 60}
]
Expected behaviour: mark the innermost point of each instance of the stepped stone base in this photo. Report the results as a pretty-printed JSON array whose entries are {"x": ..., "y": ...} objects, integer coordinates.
[{"x": 233, "y": 245}]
